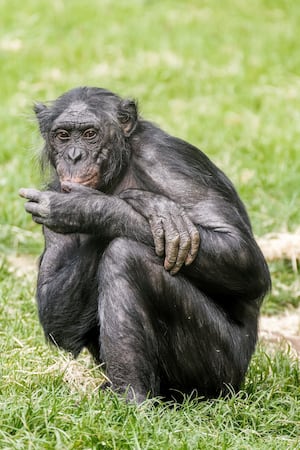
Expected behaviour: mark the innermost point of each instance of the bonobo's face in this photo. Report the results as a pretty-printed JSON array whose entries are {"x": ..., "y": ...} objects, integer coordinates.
[
  {"x": 77, "y": 141},
  {"x": 86, "y": 132}
]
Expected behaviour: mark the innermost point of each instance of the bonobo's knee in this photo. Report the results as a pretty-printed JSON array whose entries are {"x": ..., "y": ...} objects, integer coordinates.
[
  {"x": 122, "y": 251},
  {"x": 124, "y": 277}
]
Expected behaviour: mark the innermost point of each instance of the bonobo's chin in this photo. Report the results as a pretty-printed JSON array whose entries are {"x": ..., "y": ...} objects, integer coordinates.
[{"x": 91, "y": 182}]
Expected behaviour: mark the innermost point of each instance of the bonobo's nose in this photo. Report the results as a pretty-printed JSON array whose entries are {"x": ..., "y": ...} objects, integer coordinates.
[{"x": 74, "y": 154}]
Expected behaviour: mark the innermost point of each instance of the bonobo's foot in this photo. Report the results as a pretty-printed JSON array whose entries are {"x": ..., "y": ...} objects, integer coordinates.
[
  {"x": 133, "y": 396},
  {"x": 127, "y": 392}
]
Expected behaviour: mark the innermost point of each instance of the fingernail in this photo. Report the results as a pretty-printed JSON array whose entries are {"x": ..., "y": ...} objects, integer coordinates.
[
  {"x": 188, "y": 261},
  {"x": 167, "y": 265}
]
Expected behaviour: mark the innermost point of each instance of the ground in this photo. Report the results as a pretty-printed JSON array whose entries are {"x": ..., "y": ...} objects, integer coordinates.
[{"x": 286, "y": 326}]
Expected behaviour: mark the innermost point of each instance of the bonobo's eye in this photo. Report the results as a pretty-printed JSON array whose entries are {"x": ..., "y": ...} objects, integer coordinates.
[
  {"x": 90, "y": 133},
  {"x": 62, "y": 135}
]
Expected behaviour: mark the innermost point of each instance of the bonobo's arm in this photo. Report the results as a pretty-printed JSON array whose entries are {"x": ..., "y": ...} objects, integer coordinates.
[
  {"x": 85, "y": 210},
  {"x": 229, "y": 260}
]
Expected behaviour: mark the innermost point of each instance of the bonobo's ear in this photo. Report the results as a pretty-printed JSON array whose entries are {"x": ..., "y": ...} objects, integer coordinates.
[
  {"x": 43, "y": 115},
  {"x": 127, "y": 116}
]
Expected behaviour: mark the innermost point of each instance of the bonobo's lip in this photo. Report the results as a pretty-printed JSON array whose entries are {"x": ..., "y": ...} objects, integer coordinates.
[{"x": 90, "y": 182}]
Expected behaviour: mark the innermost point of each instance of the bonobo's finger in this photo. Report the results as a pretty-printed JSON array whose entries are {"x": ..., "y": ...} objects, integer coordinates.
[
  {"x": 31, "y": 194},
  {"x": 40, "y": 220},
  {"x": 184, "y": 245},
  {"x": 158, "y": 235},
  {"x": 37, "y": 209},
  {"x": 195, "y": 240},
  {"x": 194, "y": 247},
  {"x": 172, "y": 239},
  {"x": 133, "y": 194}
]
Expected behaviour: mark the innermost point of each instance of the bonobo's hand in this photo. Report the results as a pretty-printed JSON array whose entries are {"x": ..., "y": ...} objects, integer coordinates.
[
  {"x": 174, "y": 234},
  {"x": 60, "y": 211}
]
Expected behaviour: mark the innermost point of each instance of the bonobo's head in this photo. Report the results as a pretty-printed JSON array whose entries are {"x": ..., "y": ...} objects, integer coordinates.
[{"x": 86, "y": 133}]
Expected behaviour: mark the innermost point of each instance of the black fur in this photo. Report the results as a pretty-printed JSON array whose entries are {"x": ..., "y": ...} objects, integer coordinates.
[{"x": 102, "y": 286}]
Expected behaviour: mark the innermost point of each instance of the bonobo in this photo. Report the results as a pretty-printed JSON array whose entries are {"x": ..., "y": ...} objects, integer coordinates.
[{"x": 149, "y": 258}]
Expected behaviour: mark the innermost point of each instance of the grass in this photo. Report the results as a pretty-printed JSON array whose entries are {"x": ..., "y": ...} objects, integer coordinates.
[
  {"x": 49, "y": 402},
  {"x": 224, "y": 76}
]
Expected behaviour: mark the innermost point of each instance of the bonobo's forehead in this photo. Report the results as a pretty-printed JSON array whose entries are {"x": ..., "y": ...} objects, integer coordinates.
[{"x": 76, "y": 114}]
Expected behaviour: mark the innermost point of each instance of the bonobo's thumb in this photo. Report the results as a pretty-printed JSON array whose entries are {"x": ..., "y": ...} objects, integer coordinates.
[{"x": 69, "y": 186}]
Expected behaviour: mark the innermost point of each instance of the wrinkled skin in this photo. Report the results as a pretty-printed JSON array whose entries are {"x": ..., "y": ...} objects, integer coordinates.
[{"x": 129, "y": 206}]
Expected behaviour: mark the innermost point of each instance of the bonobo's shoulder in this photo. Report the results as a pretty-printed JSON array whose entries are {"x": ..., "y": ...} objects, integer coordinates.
[{"x": 154, "y": 144}]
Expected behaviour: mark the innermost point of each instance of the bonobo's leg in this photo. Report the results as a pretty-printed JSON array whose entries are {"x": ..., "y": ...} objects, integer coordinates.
[
  {"x": 67, "y": 291},
  {"x": 160, "y": 332},
  {"x": 128, "y": 342}
]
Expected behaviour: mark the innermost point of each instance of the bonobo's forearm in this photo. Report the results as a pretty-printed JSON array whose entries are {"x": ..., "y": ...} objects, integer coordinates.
[
  {"x": 230, "y": 264},
  {"x": 85, "y": 210},
  {"x": 228, "y": 260},
  {"x": 111, "y": 217}
]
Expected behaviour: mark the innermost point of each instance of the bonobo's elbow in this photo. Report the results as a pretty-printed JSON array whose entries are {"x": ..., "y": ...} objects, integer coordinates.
[
  {"x": 258, "y": 275},
  {"x": 263, "y": 282},
  {"x": 253, "y": 269}
]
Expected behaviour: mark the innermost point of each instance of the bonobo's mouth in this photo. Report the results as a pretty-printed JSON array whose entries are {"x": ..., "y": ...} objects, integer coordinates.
[{"x": 91, "y": 181}]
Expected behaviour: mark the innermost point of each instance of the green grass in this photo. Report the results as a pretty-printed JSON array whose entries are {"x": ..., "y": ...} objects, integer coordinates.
[
  {"x": 46, "y": 403},
  {"x": 224, "y": 76}
]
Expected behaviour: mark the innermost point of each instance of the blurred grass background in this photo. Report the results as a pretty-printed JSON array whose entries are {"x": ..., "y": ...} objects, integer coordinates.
[{"x": 225, "y": 77}]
